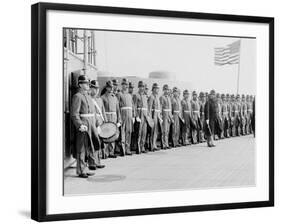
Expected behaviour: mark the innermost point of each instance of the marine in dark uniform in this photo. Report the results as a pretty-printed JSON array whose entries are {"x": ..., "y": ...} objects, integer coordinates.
[{"x": 211, "y": 117}]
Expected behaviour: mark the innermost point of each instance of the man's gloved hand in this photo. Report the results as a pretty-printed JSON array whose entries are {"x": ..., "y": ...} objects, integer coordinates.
[
  {"x": 138, "y": 119},
  {"x": 83, "y": 128}
]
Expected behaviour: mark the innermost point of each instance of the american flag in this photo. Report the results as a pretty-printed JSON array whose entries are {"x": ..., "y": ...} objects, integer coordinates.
[{"x": 228, "y": 55}]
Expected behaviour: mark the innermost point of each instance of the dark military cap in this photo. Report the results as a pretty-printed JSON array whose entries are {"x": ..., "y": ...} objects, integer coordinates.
[
  {"x": 175, "y": 89},
  {"x": 94, "y": 84},
  {"x": 243, "y": 96},
  {"x": 194, "y": 93},
  {"x": 206, "y": 93},
  {"x": 185, "y": 92},
  {"x": 237, "y": 96},
  {"x": 227, "y": 95},
  {"x": 145, "y": 86},
  {"x": 247, "y": 96},
  {"x": 155, "y": 85},
  {"x": 166, "y": 87},
  {"x": 109, "y": 84},
  {"x": 232, "y": 96},
  {"x": 131, "y": 85},
  {"x": 213, "y": 92},
  {"x": 222, "y": 96},
  {"x": 201, "y": 94},
  {"x": 115, "y": 82},
  {"x": 125, "y": 82},
  {"x": 218, "y": 95},
  {"x": 141, "y": 84},
  {"x": 83, "y": 79}
]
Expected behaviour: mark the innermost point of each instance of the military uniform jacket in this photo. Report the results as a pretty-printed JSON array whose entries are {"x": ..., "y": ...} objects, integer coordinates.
[
  {"x": 176, "y": 107},
  {"x": 140, "y": 102},
  {"x": 243, "y": 109},
  {"x": 100, "y": 111},
  {"x": 165, "y": 101},
  {"x": 211, "y": 109},
  {"x": 202, "y": 113},
  {"x": 224, "y": 109},
  {"x": 186, "y": 111},
  {"x": 195, "y": 108},
  {"x": 126, "y": 105},
  {"x": 154, "y": 107},
  {"x": 111, "y": 106},
  {"x": 83, "y": 113}
]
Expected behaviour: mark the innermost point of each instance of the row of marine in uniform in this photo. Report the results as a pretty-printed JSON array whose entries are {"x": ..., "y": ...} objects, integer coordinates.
[{"x": 150, "y": 122}]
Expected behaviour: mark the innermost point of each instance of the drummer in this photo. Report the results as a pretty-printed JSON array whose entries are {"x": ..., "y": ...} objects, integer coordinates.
[
  {"x": 112, "y": 114},
  {"x": 100, "y": 119},
  {"x": 126, "y": 111}
]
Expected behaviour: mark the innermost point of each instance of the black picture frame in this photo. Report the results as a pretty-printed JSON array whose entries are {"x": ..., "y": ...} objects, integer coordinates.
[{"x": 39, "y": 107}]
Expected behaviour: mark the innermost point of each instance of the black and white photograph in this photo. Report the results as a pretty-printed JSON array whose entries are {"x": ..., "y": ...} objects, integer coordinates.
[
  {"x": 152, "y": 112},
  {"x": 142, "y": 111}
]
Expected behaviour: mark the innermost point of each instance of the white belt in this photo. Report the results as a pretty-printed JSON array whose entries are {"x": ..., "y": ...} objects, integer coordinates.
[
  {"x": 156, "y": 110},
  {"x": 176, "y": 111},
  {"x": 225, "y": 112},
  {"x": 167, "y": 110},
  {"x": 186, "y": 111},
  {"x": 196, "y": 111},
  {"x": 110, "y": 112},
  {"x": 126, "y": 108},
  {"x": 87, "y": 115},
  {"x": 142, "y": 108},
  {"x": 250, "y": 110}
]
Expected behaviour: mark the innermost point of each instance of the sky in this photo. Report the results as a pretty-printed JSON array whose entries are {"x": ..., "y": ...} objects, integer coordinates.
[{"x": 189, "y": 57}]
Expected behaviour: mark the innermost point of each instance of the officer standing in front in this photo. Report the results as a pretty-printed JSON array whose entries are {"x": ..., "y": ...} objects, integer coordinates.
[
  {"x": 211, "y": 118},
  {"x": 83, "y": 115}
]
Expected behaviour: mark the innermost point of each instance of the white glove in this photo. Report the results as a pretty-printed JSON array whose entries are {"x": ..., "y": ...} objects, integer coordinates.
[
  {"x": 118, "y": 124},
  {"x": 133, "y": 120},
  {"x": 207, "y": 121},
  {"x": 83, "y": 128},
  {"x": 138, "y": 119},
  {"x": 98, "y": 129}
]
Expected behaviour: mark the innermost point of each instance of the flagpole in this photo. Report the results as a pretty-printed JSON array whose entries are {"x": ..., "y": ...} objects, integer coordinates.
[{"x": 238, "y": 73}]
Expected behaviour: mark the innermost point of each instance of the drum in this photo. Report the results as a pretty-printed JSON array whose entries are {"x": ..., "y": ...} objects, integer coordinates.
[{"x": 109, "y": 132}]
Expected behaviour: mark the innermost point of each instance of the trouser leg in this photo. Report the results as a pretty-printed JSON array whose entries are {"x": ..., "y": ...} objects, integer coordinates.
[
  {"x": 154, "y": 134},
  {"x": 165, "y": 134},
  {"x": 123, "y": 139},
  {"x": 81, "y": 167},
  {"x": 128, "y": 141},
  {"x": 210, "y": 140}
]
